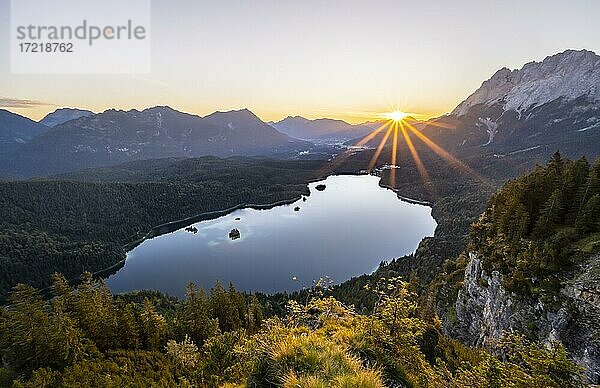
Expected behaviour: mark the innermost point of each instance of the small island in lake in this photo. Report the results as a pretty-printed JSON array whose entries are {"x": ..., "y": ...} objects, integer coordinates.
[
  {"x": 320, "y": 187},
  {"x": 234, "y": 234},
  {"x": 237, "y": 218},
  {"x": 297, "y": 208},
  {"x": 191, "y": 229}
]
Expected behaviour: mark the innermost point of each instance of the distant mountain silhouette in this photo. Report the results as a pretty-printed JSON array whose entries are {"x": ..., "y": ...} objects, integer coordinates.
[
  {"x": 320, "y": 129},
  {"x": 16, "y": 130},
  {"x": 116, "y": 136}
]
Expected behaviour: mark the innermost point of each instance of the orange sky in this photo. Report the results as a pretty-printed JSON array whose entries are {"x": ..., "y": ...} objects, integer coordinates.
[{"x": 347, "y": 60}]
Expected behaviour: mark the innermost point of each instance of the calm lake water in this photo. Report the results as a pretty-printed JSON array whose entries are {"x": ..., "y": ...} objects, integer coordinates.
[{"x": 344, "y": 231}]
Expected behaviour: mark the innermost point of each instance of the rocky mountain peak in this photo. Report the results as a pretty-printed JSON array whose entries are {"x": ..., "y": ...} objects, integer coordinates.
[
  {"x": 62, "y": 115},
  {"x": 569, "y": 75}
]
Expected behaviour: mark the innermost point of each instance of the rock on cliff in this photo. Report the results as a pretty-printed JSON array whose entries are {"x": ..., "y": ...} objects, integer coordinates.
[{"x": 485, "y": 310}]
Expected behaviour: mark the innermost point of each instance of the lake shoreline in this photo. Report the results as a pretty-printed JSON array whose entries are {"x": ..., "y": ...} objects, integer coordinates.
[
  {"x": 176, "y": 225},
  {"x": 170, "y": 227}
]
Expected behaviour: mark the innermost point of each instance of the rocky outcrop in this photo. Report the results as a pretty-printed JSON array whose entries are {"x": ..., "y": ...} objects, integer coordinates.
[
  {"x": 485, "y": 310},
  {"x": 569, "y": 75}
]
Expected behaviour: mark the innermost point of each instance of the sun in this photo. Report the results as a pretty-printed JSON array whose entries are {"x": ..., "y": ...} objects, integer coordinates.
[{"x": 395, "y": 115}]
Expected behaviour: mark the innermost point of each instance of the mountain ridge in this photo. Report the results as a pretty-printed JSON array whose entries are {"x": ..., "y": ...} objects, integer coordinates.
[
  {"x": 568, "y": 74},
  {"x": 538, "y": 109},
  {"x": 322, "y": 128},
  {"x": 116, "y": 136},
  {"x": 62, "y": 115},
  {"x": 16, "y": 130}
]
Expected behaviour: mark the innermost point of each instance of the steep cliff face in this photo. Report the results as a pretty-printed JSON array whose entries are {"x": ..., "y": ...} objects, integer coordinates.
[
  {"x": 485, "y": 309},
  {"x": 528, "y": 112}
]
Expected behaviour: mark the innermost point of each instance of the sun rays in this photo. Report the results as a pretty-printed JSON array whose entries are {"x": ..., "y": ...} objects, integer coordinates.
[{"x": 398, "y": 128}]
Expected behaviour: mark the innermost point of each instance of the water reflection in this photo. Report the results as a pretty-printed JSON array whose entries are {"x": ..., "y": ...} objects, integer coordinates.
[{"x": 343, "y": 231}]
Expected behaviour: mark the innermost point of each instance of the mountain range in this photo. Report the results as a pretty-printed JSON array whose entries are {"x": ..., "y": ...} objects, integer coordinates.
[
  {"x": 320, "y": 129},
  {"x": 115, "y": 136},
  {"x": 530, "y": 112},
  {"x": 16, "y": 130},
  {"x": 544, "y": 106},
  {"x": 532, "y": 261},
  {"x": 552, "y": 104},
  {"x": 63, "y": 115}
]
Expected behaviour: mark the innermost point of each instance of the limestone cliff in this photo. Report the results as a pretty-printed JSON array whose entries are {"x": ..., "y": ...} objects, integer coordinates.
[{"x": 485, "y": 310}]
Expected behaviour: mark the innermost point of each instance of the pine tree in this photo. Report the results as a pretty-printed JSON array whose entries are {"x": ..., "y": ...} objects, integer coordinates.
[
  {"x": 569, "y": 190},
  {"x": 95, "y": 312},
  {"x": 581, "y": 169},
  {"x": 555, "y": 168},
  {"x": 590, "y": 188},
  {"x": 25, "y": 330},
  {"x": 128, "y": 327},
  {"x": 196, "y": 318},
  {"x": 154, "y": 326},
  {"x": 239, "y": 303},
  {"x": 60, "y": 286},
  {"x": 223, "y": 309},
  {"x": 255, "y": 315},
  {"x": 67, "y": 342},
  {"x": 550, "y": 215},
  {"x": 588, "y": 220}
]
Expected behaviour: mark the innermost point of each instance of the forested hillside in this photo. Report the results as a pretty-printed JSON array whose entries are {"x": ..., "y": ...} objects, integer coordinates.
[
  {"x": 534, "y": 232},
  {"x": 538, "y": 226},
  {"x": 90, "y": 338},
  {"x": 531, "y": 265}
]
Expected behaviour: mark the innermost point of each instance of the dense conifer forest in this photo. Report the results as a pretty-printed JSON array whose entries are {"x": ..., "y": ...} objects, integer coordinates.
[
  {"x": 88, "y": 337},
  {"x": 538, "y": 226}
]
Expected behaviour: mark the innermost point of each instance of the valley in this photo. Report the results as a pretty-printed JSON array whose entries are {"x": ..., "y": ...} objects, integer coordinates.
[{"x": 495, "y": 276}]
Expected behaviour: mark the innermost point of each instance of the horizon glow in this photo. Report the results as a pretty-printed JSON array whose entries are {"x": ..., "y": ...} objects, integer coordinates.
[{"x": 315, "y": 59}]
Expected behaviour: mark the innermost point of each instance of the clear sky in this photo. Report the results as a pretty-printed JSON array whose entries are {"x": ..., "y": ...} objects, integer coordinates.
[{"x": 342, "y": 59}]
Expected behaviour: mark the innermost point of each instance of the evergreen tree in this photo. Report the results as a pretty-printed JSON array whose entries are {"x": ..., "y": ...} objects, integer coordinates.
[
  {"x": 586, "y": 191},
  {"x": 555, "y": 169},
  {"x": 589, "y": 217},
  {"x": 94, "y": 310},
  {"x": 528, "y": 230},
  {"x": 255, "y": 315},
  {"x": 223, "y": 309},
  {"x": 60, "y": 287},
  {"x": 154, "y": 326},
  {"x": 66, "y": 340},
  {"x": 322, "y": 344},
  {"x": 550, "y": 215},
  {"x": 25, "y": 325},
  {"x": 128, "y": 327},
  {"x": 239, "y": 303},
  {"x": 196, "y": 318},
  {"x": 581, "y": 170}
]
